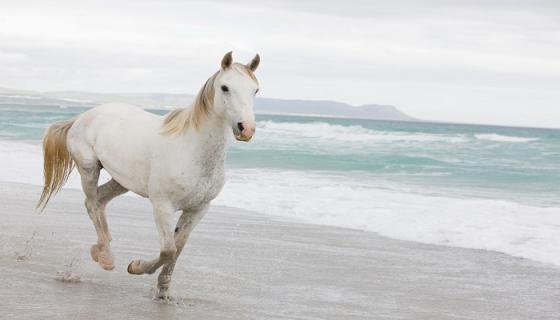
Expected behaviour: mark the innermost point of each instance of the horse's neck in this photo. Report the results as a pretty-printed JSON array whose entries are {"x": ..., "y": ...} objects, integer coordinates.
[{"x": 212, "y": 141}]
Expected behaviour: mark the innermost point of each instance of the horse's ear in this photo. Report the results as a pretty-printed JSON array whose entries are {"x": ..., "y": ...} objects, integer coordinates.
[
  {"x": 227, "y": 60},
  {"x": 254, "y": 64}
]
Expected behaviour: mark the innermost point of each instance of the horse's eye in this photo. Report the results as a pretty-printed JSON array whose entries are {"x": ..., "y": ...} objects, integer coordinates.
[
  {"x": 257, "y": 91},
  {"x": 225, "y": 89}
]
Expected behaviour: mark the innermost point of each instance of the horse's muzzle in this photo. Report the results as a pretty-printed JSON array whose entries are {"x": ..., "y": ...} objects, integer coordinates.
[{"x": 243, "y": 132}]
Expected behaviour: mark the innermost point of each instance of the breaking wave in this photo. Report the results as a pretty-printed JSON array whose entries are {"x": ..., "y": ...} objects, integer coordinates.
[{"x": 501, "y": 138}]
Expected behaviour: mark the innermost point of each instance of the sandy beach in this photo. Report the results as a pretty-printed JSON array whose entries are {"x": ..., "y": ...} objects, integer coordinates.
[{"x": 244, "y": 265}]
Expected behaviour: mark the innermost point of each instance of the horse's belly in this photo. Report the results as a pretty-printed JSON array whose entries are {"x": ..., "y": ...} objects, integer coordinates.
[
  {"x": 128, "y": 180},
  {"x": 126, "y": 159}
]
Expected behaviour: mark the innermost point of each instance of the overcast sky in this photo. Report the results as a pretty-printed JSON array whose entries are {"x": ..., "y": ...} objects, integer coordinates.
[{"x": 473, "y": 61}]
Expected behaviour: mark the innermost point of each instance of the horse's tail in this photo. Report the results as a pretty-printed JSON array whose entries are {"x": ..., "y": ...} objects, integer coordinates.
[{"x": 57, "y": 163}]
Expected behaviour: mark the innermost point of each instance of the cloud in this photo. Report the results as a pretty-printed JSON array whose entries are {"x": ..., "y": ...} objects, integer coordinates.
[{"x": 433, "y": 59}]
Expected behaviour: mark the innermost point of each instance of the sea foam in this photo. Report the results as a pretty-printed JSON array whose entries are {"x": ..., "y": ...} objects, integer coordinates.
[
  {"x": 353, "y": 133},
  {"x": 501, "y": 138},
  {"x": 498, "y": 225}
]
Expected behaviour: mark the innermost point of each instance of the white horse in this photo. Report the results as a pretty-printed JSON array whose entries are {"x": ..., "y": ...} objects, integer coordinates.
[{"x": 177, "y": 161}]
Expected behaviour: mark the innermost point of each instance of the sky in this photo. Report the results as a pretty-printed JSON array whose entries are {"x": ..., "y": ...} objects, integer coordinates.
[{"x": 493, "y": 62}]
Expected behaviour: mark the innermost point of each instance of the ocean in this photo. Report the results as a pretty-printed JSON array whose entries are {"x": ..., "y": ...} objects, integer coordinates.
[{"x": 474, "y": 186}]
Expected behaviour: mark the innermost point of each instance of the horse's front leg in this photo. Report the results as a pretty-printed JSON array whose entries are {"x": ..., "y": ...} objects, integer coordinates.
[
  {"x": 188, "y": 220},
  {"x": 163, "y": 215}
]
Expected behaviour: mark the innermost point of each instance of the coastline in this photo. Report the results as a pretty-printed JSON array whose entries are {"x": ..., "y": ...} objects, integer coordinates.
[{"x": 240, "y": 264}]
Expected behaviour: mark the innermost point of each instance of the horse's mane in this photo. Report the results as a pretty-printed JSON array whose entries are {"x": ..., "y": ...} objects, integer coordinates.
[{"x": 179, "y": 120}]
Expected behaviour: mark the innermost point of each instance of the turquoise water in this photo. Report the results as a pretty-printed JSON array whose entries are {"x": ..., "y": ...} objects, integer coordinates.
[{"x": 520, "y": 164}]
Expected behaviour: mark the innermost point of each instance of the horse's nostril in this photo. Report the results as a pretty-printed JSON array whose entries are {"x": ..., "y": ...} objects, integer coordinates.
[{"x": 240, "y": 126}]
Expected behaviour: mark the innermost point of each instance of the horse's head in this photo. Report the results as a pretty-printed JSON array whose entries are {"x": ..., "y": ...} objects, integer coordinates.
[{"x": 235, "y": 89}]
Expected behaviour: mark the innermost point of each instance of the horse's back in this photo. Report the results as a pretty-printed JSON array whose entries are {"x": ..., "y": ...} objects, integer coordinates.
[
  {"x": 114, "y": 121},
  {"x": 107, "y": 114}
]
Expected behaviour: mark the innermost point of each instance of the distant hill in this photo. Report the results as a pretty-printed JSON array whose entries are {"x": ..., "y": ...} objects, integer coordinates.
[
  {"x": 329, "y": 108},
  {"x": 168, "y": 101}
]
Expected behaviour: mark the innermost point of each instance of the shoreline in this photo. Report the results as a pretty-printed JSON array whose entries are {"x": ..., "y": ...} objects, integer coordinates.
[{"x": 241, "y": 264}]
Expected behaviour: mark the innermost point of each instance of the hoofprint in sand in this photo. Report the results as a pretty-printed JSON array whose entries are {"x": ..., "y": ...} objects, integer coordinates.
[{"x": 246, "y": 265}]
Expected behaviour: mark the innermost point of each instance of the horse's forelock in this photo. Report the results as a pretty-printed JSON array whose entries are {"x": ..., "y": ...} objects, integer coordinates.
[{"x": 245, "y": 70}]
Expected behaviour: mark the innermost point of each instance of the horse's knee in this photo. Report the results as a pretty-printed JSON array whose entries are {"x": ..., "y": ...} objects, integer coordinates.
[{"x": 167, "y": 254}]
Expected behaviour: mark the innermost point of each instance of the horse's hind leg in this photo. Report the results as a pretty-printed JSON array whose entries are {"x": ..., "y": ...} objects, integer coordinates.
[
  {"x": 105, "y": 193},
  {"x": 100, "y": 252}
]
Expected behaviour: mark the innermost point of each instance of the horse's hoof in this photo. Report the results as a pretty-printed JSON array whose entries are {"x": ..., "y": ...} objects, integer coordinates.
[
  {"x": 133, "y": 267},
  {"x": 107, "y": 266},
  {"x": 103, "y": 257},
  {"x": 94, "y": 252},
  {"x": 163, "y": 295}
]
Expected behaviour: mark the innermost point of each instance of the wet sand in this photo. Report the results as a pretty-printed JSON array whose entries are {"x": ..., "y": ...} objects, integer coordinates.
[{"x": 243, "y": 265}]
